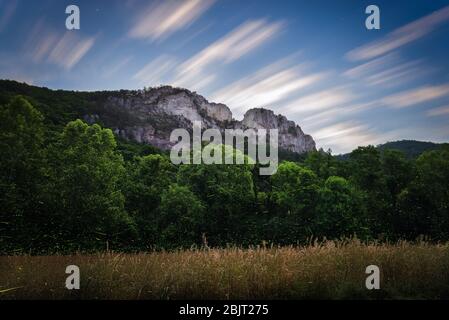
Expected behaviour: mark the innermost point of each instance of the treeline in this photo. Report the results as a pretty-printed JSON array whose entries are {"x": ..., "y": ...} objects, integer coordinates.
[{"x": 77, "y": 188}]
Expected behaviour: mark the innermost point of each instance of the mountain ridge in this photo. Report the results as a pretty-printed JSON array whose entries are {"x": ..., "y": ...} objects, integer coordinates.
[
  {"x": 412, "y": 149},
  {"x": 149, "y": 115}
]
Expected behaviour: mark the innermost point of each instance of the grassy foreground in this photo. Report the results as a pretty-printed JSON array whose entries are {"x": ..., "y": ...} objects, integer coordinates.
[{"x": 331, "y": 270}]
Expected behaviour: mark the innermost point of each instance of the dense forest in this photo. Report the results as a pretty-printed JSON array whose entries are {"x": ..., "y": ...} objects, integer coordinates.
[{"x": 68, "y": 186}]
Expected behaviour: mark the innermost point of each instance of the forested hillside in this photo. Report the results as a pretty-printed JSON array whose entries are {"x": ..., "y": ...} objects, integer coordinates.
[
  {"x": 411, "y": 148},
  {"x": 66, "y": 185}
]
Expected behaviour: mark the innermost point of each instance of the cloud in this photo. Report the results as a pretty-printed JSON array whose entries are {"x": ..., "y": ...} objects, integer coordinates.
[
  {"x": 372, "y": 66},
  {"x": 7, "y": 13},
  {"x": 200, "y": 70},
  {"x": 266, "y": 86},
  {"x": 64, "y": 50},
  {"x": 156, "y": 70},
  {"x": 319, "y": 101},
  {"x": 387, "y": 70},
  {"x": 438, "y": 111},
  {"x": 318, "y": 120},
  {"x": 69, "y": 50},
  {"x": 231, "y": 47},
  {"x": 343, "y": 137},
  {"x": 396, "y": 75},
  {"x": 113, "y": 69},
  {"x": 416, "y": 96},
  {"x": 162, "y": 19},
  {"x": 400, "y": 37}
]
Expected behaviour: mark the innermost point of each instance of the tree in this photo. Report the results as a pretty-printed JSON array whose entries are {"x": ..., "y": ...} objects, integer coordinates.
[
  {"x": 367, "y": 168},
  {"x": 396, "y": 170},
  {"x": 21, "y": 170},
  {"x": 295, "y": 194},
  {"x": 146, "y": 179},
  {"x": 322, "y": 163},
  {"x": 181, "y": 216},
  {"x": 424, "y": 204},
  {"x": 228, "y": 194},
  {"x": 84, "y": 188},
  {"x": 367, "y": 175},
  {"x": 340, "y": 211}
]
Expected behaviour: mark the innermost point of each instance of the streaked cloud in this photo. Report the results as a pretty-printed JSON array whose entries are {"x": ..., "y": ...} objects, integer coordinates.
[
  {"x": 64, "y": 50},
  {"x": 163, "y": 18},
  {"x": 319, "y": 101},
  {"x": 201, "y": 70},
  {"x": 69, "y": 50},
  {"x": 372, "y": 66},
  {"x": 329, "y": 116},
  {"x": 267, "y": 86},
  {"x": 396, "y": 75},
  {"x": 156, "y": 71},
  {"x": 342, "y": 137},
  {"x": 440, "y": 111},
  {"x": 416, "y": 96},
  {"x": 387, "y": 70},
  {"x": 401, "y": 37},
  {"x": 7, "y": 11},
  {"x": 231, "y": 47},
  {"x": 119, "y": 65}
]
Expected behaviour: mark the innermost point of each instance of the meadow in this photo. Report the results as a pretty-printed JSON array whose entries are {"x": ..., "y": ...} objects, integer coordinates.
[{"x": 327, "y": 270}]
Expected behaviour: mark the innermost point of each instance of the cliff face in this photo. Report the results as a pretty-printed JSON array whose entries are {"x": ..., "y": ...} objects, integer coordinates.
[
  {"x": 149, "y": 116},
  {"x": 291, "y": 137}
]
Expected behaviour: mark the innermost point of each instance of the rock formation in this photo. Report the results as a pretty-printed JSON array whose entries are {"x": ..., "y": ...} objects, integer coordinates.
[{"x": 149, "y": 116}]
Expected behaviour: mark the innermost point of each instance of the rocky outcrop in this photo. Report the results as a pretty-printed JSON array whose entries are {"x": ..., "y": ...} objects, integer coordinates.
[
  {"x": 291, "y": 137},
  {"x": 149, "y": 116}
]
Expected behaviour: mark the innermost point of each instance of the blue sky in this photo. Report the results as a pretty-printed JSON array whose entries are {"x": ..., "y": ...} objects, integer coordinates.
[{"x": 313, "y": 61}]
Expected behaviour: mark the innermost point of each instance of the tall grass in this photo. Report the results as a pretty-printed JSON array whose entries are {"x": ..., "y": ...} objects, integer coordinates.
[{"x": 329, "y": 270}]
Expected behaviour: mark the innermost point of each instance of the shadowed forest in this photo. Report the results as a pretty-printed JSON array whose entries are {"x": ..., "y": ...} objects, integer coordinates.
[{"x": 67, "y": 186}]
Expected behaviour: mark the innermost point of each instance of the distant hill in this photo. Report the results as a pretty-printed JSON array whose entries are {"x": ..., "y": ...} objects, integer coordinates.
[{"x": 411, "y": 148}]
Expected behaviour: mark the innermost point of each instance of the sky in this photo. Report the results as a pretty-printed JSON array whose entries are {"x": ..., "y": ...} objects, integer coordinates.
[{"x": 312, "y": 61}]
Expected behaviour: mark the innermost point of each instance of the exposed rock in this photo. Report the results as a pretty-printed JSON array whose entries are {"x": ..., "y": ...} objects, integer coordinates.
[
  {"x": 91, "y": 118},
  {"x": 291, "y": 137},
  {"x": 149, "y": 116}
]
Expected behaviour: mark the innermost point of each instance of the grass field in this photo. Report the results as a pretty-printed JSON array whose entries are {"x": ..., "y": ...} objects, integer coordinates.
[{"x": 331, "y": 270}]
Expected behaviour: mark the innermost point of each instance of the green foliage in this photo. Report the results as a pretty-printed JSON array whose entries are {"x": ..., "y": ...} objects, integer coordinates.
[
  {"x": 84, "y": 189},
  {"x": 181, "y": 217},
  {"x": 129, "y": 149},
  {"x": 425, "y": 202},
  {"x": 396, "y": 170},
  {"x": 21, "y": 169},
  {"x": 227, "y": 191},
  {"x": 66, "y": 185},
  {"x": 322, "y": 163},
  {"x": 295, "y": 189},
  {"x": 295, "y": 194},
  {"x": 147, "y": 178},
  {"x": 340, "y": 210},
  {"x": 410, "y": 148},
  {"x": 367, "y": 175}
]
